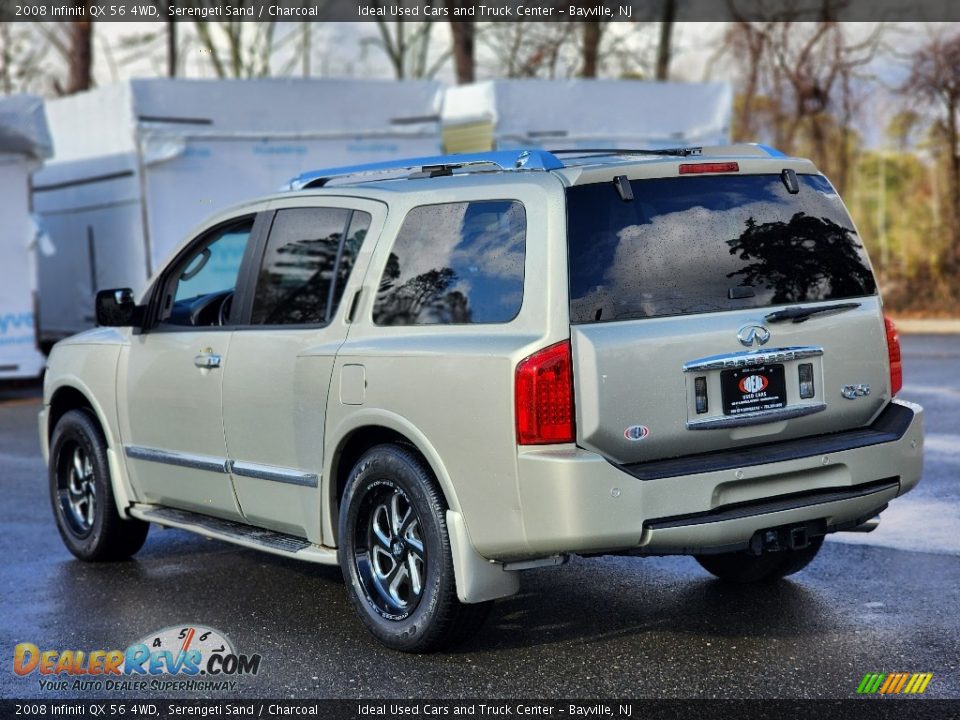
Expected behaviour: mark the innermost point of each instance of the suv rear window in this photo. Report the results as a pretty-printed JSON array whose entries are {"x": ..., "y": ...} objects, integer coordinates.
[{"x": 707, "y": 244}]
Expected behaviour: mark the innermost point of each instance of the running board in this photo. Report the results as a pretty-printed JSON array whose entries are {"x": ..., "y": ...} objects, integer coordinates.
[{"x": 237, "y": 533}]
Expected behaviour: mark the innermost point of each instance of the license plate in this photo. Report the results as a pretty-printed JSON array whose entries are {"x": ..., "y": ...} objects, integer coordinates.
[{"x": 753, "y": 389}]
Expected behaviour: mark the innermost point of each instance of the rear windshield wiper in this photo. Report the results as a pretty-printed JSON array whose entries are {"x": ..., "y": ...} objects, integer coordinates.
[{"x": 799, "y": 314}]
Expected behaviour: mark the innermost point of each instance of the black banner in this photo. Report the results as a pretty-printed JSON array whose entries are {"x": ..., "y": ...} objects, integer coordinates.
[
  {"x": 477, "y": 10},
  {"x": 854, "y": 709}
]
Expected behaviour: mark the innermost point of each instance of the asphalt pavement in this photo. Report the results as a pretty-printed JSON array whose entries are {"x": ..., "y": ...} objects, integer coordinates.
[{"x": 606, "y": 627}]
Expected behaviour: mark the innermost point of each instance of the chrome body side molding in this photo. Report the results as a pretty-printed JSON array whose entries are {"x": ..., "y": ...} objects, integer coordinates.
[
  {"x": 276, "y": 474},
  {"x": 223, "y": 465},
  {"x": 187, "y": 460}
]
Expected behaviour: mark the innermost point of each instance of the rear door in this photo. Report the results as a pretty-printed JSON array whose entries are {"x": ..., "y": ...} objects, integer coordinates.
[
  {"x": 276, "y": 383},
  {"x": 678, "y": 347}
]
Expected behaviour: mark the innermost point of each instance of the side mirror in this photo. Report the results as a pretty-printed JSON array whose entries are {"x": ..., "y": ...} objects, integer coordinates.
[{"x": 117, "y": 308}]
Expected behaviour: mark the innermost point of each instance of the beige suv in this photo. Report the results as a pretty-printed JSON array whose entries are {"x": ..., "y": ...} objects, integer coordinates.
[{"x": 443, "y": 372}]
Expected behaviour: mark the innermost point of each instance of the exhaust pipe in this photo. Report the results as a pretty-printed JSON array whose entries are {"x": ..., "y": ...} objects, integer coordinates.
[{"x": 868, "y": 526}]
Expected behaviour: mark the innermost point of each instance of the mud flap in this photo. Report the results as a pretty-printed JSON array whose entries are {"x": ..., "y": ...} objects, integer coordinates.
[{"x": 477, "y": 578}]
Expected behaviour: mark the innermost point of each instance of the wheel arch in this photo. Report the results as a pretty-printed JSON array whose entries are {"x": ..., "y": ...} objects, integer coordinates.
[
  {"x": 477, "y": 579},
  {"x": 359, "y": 434},
  {"x": 65, "y": 399},
  {"x": 72, "y": 394}
]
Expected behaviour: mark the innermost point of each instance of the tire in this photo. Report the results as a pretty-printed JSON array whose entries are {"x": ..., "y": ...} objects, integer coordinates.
[
  {"x": 81, "y": 493},
  {"x": 745, "y": 568},
  {"x": 395, "y": 554}
]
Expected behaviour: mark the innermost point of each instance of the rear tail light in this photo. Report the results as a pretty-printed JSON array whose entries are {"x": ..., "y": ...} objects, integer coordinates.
[
  {"x": 893, "y": 353},
  {"x": 544, "y": 397},
  {"x": 697, "y": 168}
]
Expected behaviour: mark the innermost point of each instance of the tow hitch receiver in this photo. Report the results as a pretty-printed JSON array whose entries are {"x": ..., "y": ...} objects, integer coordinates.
[
  {"x": 799, "y": 538},
  {"x": 786, "y": 537}
]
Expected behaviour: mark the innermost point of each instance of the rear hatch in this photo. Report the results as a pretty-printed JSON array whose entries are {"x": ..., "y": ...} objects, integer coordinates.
[{"x": 719, "y": 311}]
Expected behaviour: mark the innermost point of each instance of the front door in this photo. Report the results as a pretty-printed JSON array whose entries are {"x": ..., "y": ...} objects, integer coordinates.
[
  {"x": 173, "y": 372},
  {"x": 276, "y": 384}
]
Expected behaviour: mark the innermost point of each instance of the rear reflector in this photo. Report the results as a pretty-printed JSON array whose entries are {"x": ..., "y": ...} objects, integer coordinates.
[
  {"x": 893, "y": 353},
  {"x": 544, "y": 397},
  {"x": 696, "y": 168}
]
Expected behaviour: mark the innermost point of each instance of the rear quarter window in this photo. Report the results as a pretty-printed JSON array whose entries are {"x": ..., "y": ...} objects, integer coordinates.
[
  {"x": 455, "y": 263},
  {"x": 705, "y": 244}
]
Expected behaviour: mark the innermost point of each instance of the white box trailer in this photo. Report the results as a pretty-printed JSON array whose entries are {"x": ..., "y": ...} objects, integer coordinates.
[
  {"x": 24, "y": 143},
  {"x": 138, "y": 164},
  {"x": 572, "y": 114}
]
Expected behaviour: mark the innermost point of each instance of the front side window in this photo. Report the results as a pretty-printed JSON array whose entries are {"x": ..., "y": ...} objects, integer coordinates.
[
  {"x": 307, "y": 262},
  {"x": 207, "y": 278},
  {"x": 455, "y": 263}
]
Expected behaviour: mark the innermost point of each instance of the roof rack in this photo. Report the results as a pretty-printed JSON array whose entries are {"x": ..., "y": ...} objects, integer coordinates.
[
  {"x": 507, "y": 160},
  {"x": 498, "y": 160},
  {"x": 679, "y": 151},
  {"x": 755, "y": 149}
]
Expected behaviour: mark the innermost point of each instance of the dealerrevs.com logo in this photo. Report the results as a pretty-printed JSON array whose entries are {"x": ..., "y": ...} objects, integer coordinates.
[{"x": 201, "y": 658}]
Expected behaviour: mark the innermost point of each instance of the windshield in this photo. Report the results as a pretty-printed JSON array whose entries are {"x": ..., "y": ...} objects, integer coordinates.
[{"x": 690, "y": 245}]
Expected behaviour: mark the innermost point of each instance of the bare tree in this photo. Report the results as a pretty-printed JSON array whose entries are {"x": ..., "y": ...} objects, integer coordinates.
[
  {"x": 569, "y": 49},
  {"x": 22, "y": 59},
  {"x": 407, "y": 44},
  {"x": 171, "y": 48},
  {"x": 7, "y": 55},
  {"x": 592, "y": 35},
  {"x": 903, "y": 128},
  {"x": 747, "y": 42},
  {"x": 797, "y": 83},
  {"x": 935, "y": 81},
  {"x": 73, "y": 43},
  {"x": 238, "y": 49},
  {"x": 664, "y": 48},
  {"x": 532, "y": 49},
  {"x": 463, "y": 35},
  {"x": 80, "y": 57},
  {"x": 306, "y": 47}
]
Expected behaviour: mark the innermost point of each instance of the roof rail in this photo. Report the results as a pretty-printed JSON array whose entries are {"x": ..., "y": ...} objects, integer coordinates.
[
  {"x": 603, "y": 152},
  {"x": 711, "y": 150},
  {"x": 754, "y": 149},
  {"x": 769, "y": 150},
  {"x": 431, "y": 166}
]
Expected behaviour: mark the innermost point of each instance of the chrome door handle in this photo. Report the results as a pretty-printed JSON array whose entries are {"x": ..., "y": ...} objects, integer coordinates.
[{"x": 207, "y": 361}]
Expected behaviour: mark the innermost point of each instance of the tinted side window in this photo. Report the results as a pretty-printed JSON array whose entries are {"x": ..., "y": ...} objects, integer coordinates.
[
  {"x": 455, "y": 263},
  {"x": 356, "y": 234},
  {"x": 709, "y": 243},
  {"x": 201, "y": 291},
  {"x": 215, "y": 267},
  {"x": 305, "y": 253}
]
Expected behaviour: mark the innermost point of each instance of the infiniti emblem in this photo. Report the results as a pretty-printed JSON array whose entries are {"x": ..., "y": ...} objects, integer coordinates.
[{"x": 753, "y": 335}]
